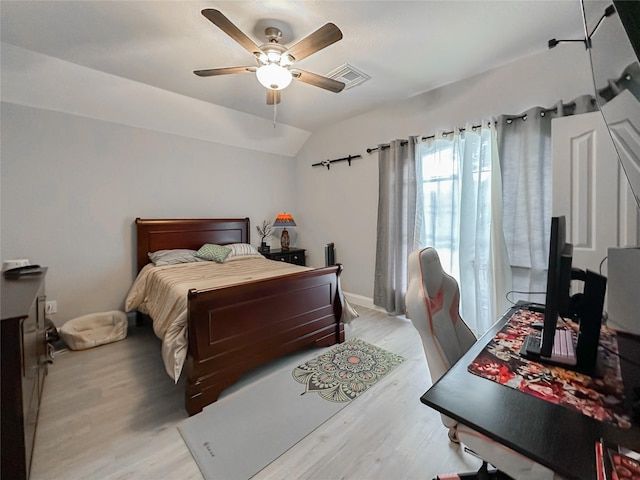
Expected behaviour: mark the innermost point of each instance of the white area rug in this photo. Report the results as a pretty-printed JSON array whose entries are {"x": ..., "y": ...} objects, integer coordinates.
[{"x": 250, "y": 427}]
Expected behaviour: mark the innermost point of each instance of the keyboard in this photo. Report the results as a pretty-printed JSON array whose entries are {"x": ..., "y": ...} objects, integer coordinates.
[
  {"x": 563, "y": 348},
  {"x": 563, "y": 353}
]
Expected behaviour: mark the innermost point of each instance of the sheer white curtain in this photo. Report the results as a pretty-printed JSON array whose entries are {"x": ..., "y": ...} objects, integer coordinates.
[{"x": 460, "y": 214}]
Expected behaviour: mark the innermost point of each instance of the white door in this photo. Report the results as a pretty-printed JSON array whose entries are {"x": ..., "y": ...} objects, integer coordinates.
[{"x": 591, "y": 190}]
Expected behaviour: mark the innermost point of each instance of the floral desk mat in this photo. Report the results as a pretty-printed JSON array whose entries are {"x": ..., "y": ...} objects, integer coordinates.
[{"x": 599, "y": 398}]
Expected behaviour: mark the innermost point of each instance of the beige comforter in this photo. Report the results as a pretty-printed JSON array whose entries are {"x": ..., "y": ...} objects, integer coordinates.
[{"x": 161, "y": 293}]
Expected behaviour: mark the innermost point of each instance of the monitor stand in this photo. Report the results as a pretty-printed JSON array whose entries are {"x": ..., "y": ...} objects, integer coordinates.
[
  {"x": 589, "y": 356},
  {"x": 590, "y": 313}
]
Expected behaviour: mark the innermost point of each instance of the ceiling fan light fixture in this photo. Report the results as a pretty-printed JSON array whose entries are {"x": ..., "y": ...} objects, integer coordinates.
[
  {"x": 285, "y": 60},
  {"x": 273, "y": 76}
]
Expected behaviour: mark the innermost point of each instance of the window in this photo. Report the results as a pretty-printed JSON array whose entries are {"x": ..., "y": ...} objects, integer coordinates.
[
  {"x": 455, "y": 205},
  {"x": 439, "y": 178}
]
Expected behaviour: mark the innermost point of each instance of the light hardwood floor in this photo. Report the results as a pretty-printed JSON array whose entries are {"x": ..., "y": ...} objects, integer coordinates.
[{"x": 111, "y": 412}]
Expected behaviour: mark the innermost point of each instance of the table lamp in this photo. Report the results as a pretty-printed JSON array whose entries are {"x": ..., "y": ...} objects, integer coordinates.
[{"x": 284, "y": 220}]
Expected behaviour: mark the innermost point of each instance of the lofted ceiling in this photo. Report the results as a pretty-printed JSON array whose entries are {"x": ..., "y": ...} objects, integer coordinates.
[{"x": 406, "y": 47}]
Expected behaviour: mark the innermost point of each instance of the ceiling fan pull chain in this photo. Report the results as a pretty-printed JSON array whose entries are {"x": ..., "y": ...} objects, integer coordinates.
[{"x": 275, "y": 112}]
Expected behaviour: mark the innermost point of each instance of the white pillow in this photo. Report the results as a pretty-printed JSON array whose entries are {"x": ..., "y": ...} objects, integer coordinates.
[
  {"x": 171, "y": 257},
  {"x": 240, "y": 249}
]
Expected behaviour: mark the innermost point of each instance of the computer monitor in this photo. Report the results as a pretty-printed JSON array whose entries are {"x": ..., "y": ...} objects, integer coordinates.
[
  {"x": 557, "y": 302},
  {"x": 558, "y": 282}
]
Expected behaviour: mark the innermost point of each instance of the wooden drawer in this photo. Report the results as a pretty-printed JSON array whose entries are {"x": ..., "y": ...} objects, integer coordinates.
[
  {"x": 22, "y": 370},
  {"x": 295, "y": 256}
]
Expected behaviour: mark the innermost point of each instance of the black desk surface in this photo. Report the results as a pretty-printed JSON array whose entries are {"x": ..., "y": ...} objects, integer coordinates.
[{"x": 552, "y": 435}]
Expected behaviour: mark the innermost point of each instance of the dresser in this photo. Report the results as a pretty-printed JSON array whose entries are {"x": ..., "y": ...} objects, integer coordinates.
[
  {"x": 23, "y": 369},
  {"x": 293, "y": 255}
]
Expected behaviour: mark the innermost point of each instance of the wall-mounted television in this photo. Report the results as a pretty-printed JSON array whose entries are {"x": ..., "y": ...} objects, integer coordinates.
[{"x": 614, "y": 50}]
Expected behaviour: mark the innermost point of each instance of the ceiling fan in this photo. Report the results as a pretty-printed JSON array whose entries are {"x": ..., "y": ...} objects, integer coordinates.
[{"x": 276, "y": 63}]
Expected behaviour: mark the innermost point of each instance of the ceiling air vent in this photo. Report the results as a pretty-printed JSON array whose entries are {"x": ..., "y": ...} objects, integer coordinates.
[{"x": 349, "y": 76}]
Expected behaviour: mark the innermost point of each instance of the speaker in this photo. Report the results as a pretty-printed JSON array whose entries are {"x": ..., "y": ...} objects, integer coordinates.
[
  {"x": 329, "y": 255},
  {"x": 623, "y": 302},
  {"x": 590, "y": 313}
]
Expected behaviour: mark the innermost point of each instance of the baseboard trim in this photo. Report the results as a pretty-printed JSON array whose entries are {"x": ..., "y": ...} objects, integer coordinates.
[{"x": 363, "y": 301}]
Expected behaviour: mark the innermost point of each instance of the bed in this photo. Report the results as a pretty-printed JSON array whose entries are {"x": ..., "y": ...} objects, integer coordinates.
[{"x": 235, "y": 328}]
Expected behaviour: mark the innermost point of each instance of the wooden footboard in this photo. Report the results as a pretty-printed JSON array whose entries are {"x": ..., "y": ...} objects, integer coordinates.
[{"x": 237, "y": 328}]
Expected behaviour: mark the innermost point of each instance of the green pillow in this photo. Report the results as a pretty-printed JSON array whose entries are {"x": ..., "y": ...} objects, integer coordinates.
[{"x": 210, "y": 251}]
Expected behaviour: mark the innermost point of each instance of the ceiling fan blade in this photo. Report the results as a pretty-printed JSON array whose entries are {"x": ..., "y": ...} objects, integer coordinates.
[
  {"x": 273, "y": 97},
  {"x": 321, "y": 38},
  {"x": 224, "y": 24},
  {"x": 211, "y": 72},
  {"x": 318, "y": 80}
]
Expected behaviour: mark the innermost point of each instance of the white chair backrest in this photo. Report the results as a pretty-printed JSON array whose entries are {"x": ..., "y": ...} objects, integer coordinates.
[{"x": 432, "y": 303}]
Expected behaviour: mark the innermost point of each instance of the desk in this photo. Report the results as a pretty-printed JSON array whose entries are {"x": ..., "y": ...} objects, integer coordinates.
[{"x": 552, "y": 435}]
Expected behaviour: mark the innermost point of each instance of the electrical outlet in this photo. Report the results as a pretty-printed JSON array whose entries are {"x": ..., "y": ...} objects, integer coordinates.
[{"x": 51, "y": 307}]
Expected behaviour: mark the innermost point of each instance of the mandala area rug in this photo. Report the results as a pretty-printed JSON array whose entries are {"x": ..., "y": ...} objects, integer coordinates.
[
  {"x": 257, "y": 421},
  {"x": 346, "y": 371}
]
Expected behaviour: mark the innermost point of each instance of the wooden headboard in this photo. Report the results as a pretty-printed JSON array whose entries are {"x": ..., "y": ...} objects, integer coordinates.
[{"x": 165, "y": 234}]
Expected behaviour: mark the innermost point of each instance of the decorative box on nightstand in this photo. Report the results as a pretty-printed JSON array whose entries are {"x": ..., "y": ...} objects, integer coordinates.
[{"x": 293, "y": 255}]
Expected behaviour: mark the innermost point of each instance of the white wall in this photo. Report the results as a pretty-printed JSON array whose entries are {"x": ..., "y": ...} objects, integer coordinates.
[
  {"x": 72, "y": 187},
  {"x": 84, "y": 153},
  {"x": 340, "y": 205}
]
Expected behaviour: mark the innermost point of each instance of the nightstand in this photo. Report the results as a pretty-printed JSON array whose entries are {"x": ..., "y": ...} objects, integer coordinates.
[{"x": 293, "y": 255}]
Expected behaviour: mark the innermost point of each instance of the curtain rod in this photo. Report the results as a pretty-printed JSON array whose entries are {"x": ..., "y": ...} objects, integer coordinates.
[
  {"x": 509, "y": 121},
  {"x": 327, "y": 163},
  {"x": 404, "y": 142}
]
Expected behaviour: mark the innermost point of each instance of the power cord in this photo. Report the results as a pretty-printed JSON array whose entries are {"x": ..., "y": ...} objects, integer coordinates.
[
  {"x": 621, "y": 357},
  {"x": 524, "y": 293},
  {"x": 601, "y": 263}
]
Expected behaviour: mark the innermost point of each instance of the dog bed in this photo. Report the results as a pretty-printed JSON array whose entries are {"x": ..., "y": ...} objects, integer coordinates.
[{"x": 94, "y": 329}]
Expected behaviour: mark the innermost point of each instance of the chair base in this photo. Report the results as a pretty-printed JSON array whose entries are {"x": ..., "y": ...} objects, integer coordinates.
[{"x": 484, "y": 473}]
